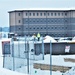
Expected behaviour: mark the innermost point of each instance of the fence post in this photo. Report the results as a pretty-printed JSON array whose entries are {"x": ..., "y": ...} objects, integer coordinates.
[
  {"x": 43, "y": 48},
  {"x": 13, "y": 55},
  {"x": 50, "y": 58},
  {"x": 19, "y": 47},
  {"x": 28, "y": 55}
]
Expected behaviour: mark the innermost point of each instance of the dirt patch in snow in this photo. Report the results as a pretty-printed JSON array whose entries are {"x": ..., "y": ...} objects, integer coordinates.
[
  {"x": 69, "y": 60},
  {"x": 54, "y": 67}
]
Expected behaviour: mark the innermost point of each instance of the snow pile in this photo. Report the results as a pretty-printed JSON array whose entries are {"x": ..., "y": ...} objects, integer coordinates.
[{"x": 47, "y": 39}]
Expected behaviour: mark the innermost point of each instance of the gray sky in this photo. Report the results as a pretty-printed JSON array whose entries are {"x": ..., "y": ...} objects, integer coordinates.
[{"x": 7, "y": 5}]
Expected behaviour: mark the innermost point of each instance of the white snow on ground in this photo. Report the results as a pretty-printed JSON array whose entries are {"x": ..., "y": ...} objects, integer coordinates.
[
  {"x": 33, "y": 71},
  {"x": 4, "y": 71},
  {"x": 9, "y": 72},
  {"x": 56, "y": 60}
]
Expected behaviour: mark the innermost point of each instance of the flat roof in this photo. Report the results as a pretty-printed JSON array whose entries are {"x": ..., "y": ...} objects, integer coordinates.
[{"x": 42, "y": 9}]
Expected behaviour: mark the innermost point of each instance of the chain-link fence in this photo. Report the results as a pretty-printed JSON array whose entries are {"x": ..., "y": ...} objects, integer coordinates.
[{"x": 22, "y": 53}]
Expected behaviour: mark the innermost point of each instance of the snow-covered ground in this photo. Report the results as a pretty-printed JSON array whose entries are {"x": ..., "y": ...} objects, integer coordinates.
[
  {"x": 56, "y": 60},
  {"x": 4, "y": 71},
  {"x": 38, "y": 71},
  {"x": 9, "y": 72}
]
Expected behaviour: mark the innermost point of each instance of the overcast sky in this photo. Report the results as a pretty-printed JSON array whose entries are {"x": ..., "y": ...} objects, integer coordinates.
[{"x": 9, "y": 5}]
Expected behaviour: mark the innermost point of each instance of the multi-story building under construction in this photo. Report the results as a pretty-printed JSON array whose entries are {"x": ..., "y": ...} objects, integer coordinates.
[{"x": 53, "y": 22}]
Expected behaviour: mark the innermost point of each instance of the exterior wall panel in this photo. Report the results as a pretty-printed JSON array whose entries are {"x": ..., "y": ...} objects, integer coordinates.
[
  {"x": 18, "y": 17},
  {"x": 12, "y": 19}
]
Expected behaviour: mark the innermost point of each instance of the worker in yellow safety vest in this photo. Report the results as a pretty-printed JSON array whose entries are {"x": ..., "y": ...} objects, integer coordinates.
[{"x": 38, "y": 36}]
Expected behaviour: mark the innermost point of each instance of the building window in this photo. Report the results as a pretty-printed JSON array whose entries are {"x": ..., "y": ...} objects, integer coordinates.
[
  {"x": 30, "y": 14},
  {"x": 40, "y": 14},
  {"x": 65, "y": 20},
  {"x": 62, "y": 14},
  {"x": 62, "y": 27},
  {"x": 26, "y": 28},
  {"x": 33, "y": 28},
  {"x": 19, "y": 14},
  {"x": 66, "y": 27},
  {"x": 55, "y": 27},
  {"x": 26, "y": 14},
  {"x": 37, "y": 14},
  {"x": 51, "y": 14},
  {"x": 30, "y": 28},
  {"x": 41, "y": 27},
  {"x": 44, "y": 14},
  {"x": 44, "y": 27},
  {"x": 51, "y": 27},
  {"x": 19, "y": 21},
  {"x": 19, "y": 28},
  {"x": 29, "y": 21},
  {"x": 48, "y": 14},
  {"x": 37, "y": 28},
  {"x": 65, "y": 14},
  {"x": 58, "y": 14},
  {"x": 37, "y": 21},
  {"x": 48, "y": 28},
  {"x": 55, "y": 14},
  {"x": 33, "y": 14}
]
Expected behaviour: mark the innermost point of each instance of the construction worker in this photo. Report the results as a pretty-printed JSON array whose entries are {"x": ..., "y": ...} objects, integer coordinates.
[
  {"x": 38, "y": 36},
  {"x": 34, "y": 36}
]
